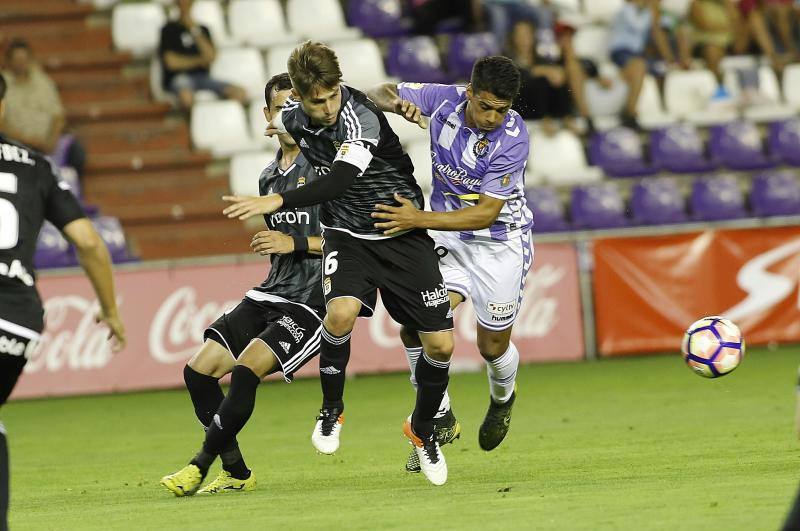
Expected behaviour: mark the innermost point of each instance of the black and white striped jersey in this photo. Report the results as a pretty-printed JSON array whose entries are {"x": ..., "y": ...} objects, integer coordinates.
[
  {"x": 362, "y": 137},
  {"x": 296, "y": 277}
]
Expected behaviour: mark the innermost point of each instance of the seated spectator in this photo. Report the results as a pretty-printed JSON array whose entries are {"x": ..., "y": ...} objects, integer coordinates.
[
  {"x": 545, "y": 91},
  {"x": 428, "y": 14},
  {"x": 34, "y": 114},
  {"x": 504, "y": 13},
  {"x": 754, "y": 15},
  {"x": 186, "y": 53},
  {"x": 631, "y": 30}
]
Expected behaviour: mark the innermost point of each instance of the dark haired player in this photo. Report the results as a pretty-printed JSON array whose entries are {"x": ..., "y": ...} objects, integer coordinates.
[
  {"x": 479, "y": 149},
  {"x": 276, "y": 327}
]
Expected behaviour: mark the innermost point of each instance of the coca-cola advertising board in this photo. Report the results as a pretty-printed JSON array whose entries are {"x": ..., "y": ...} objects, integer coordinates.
[
  {"x": 166, "y": 310},
  {"x": 649, "y": 289}
]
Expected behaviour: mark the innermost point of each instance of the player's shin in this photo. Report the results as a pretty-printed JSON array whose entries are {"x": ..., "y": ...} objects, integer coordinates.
[
  {"x": 333, "y": 357},
  {"x": 502, "y": 372},
  {"x": 432, "y": 379}
]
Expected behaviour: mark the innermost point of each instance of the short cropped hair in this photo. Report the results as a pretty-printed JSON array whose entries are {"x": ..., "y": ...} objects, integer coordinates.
[
  {"x": 276, "y": 82},
  {"x": 496, "y": 74},
  {"x": 313, "y": 64}
]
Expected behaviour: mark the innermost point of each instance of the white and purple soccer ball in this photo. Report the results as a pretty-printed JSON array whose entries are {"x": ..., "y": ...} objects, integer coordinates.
[{"x": 713, "y": 346}]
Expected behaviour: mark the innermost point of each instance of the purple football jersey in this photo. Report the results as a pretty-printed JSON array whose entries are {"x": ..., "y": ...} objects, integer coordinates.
[{"x": 468, "y": 162}]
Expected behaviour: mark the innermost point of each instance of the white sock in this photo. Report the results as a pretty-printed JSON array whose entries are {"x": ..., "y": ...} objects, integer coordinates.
[
  {"x": 502, "y": 374},
  {"x": 413, "y": 354}
]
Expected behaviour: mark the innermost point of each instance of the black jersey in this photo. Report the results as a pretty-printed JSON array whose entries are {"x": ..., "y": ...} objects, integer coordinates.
[
  {"x": 361, "y": 136},
  {"x": 296, "y": 277},
  {"x": 30, "y": 192}
]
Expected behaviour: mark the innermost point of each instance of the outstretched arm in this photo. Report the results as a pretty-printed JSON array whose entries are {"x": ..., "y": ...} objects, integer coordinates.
[
  {"x": 407, "y": 216},
  {"x": 275, "y": 242},
  {"x": 387, "y": 98}
]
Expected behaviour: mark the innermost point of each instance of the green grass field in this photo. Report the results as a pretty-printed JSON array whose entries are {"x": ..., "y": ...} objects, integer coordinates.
[{"x": 624, "y": 444}]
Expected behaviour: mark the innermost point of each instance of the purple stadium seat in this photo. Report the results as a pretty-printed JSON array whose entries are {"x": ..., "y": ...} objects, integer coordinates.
[
  {"x": 784, "y": 141},
  {"x": 415, "y": 59},
  {"x": 775, "y": 194},
  {"x": 678, "y": 148},
  {"x": 378, "y": 18},
  {"x": 658, "y": 201},
  {"x": 717, "y": 197},
  {"x": 547, "y": 208},
  {"x": 112, "y": 234},
  {"x": 598, "y": 206},
  {"x": 52, "y": 250},
  {"x": 466, "y": 48},
  {"x": 738, "y": 146},
  {"x": 619, "y": 152}
]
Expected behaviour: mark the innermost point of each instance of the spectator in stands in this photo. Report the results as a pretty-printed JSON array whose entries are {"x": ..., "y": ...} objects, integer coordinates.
[
  {"x": 633, "y": 27},
  {"x": 713, "y": 25},
  {"x": 754, "y": 14},
  {"x": 187, "y": 51},
  {"x": 428, "y": 14},
  {"x": 34, "y": 114},
  {"x": 504, "y": 13},
  {"x": 544, "y": 93}
]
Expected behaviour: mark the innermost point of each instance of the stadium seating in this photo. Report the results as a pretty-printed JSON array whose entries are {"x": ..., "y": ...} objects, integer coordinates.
[
  {"x": 658, "y": 201},
  {"x": 361, "y": 62},
  {"x": 406, "y": 131},
  {"x": 649, "y": 107},
  {"x": 111, "y": 233},
  {"x": 326, "y": 24},
  {"x": 378, "y": 18},
  {"x": 738, "y": 146},
  {"x": 784, "y": 141},
  {"x": 591, "y": 42},
  {"x": 775, "y": 194},
  {"x": 241, "y": 66},
  {"x": 791, "y": 85},
  {"x": 136, "y": 28},
  {"x": 598, "y": 206},
  {"x": 687, "y": 96},
  {"x": 679, "y": 149},
  {"x": 415, "y": 59},
  {"x": 768, "y": 105},
  {"x": 259, "y": 23},
  {"x": 277, "y": 57},
  {"x": 210, "y": 14},
  {"x": 246, "y": 169},
  {"x": 465, "y": 49},
  {"x": 52, "y": 250},
  {"x": 547, "y": 208},
  {"x": 602, "y": 11},
  {"x": 559, "y": 160},
  {"x": 420, "y": 153},
  {"x": 680, "y": 8},
  {"x": 717, "y": 197},
  {"x": 221, "y": 127},
  {"x": 619, "y": 152}
]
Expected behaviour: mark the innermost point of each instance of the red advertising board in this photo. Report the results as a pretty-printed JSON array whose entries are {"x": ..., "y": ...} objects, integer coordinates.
[
  {"x": 166, "y": 310},
  {"x": 649, "y": 289}
]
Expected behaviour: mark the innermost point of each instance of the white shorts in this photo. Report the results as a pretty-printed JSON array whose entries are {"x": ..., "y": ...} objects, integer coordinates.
[{"x": 492, "y": 273}]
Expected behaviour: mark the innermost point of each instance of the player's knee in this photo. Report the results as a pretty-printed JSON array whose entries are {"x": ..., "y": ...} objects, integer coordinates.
[
  {"x": 409, "y": 337},
  {"x": 340, "y": 321},
  {"x": 441, "y": 349},
  {"x": 212, "y": 360},
  {"x": 492, "y": 346},
  {"x": 259, "y": 358}
]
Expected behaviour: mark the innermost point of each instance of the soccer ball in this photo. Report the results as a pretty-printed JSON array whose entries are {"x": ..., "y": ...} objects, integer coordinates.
[{"x": 713, "y": 346}]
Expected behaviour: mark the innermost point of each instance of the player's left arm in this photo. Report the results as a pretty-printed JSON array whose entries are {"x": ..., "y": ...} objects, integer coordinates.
[
  {"x": 407, "y": 216},
  {"x": 269, "y": 242},
  {"x": 387, "y": 97}
]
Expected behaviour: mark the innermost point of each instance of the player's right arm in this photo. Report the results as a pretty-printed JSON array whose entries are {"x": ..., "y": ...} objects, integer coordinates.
[
  {"x": 96, "y": 262},
  {"x": 268, "y": 242},
  {"x": 387, "y": 98}
]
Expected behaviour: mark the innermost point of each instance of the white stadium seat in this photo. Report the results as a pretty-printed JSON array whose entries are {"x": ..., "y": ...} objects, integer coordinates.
[
  {"x": 277, "y": 57},
  {"x": 791, "y": 85},
  {"x": 769, "y": 106},
  {"x": 209, "y": 13},
  {"x": 679, "y": 8},
  {"x": 650, "y": 109},
  {"x": 241, "y": 66},
  {"x": 559, "y": 160},
  {"x": 405, "y": 130},
  {"x": 591, "y": 42},
  {"x": 245, "y": 169},
  {"x": 136, "y": 28},
  {"x": 221, "y": 127},
  {"x": 687, "y": 96},
  {"x": 602, "y": 11},
  {"x": 259, "y": 23},
  {"x": 420, "y": 153},
  {"x": 361, "y": 63},
  {"x": 320, "y": 20}
]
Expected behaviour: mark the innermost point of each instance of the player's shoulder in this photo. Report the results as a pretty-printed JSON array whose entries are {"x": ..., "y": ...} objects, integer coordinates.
[
  {"x": 13, "y": 151},
  {"x": 268, "y": 175},
  {"x": 359, "y": 103},
  {"x": 290, "y": 111},
  {"x": 514, "y": 129}
]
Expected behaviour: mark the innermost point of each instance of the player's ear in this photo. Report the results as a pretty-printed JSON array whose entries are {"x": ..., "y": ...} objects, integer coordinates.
[
  {"x": 266, "y": 113},
  {"x": 469, "y": 90},
  {"x": 295, "y": 94}
]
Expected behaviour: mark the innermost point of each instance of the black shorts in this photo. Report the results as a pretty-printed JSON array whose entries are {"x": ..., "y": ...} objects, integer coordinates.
[
  {"x": 405, "y": 269},
  {"x": 291, "y": 331},
  {"x": 21, "y": 323}
]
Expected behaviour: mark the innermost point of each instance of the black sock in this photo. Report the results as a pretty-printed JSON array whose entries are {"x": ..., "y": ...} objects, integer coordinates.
[
  {"x": 207, "y": 396},
  {"x": 792, "y": 522},
  {"x": 234, "y": 411},
  {"x": 233, "y": 462},
  {"x": 432, "y": 379},
  {"x": 333, "y": 357},
  {"x": 3, "y": 479}
]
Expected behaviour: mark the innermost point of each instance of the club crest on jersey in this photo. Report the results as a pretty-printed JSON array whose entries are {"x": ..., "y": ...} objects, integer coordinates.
[
  {"x": 326, "y": 286},
  {"x": 481, "y": 147},
  {"x": 301, "y": 181},
  {"x": 505, "y": 180}
]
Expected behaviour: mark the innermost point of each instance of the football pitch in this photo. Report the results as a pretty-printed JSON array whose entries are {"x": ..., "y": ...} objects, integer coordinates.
[{"x": 624, "y": 444}]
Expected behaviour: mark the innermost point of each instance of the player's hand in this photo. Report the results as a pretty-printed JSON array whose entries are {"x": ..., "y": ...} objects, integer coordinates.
[
  {"x": 247, "y": 206},
  {"x": 400, "y": 218},
  {"x": 411, "y": 112},
  {"x": 272, "y": 242},
  {"x": 116, "y": 329}
]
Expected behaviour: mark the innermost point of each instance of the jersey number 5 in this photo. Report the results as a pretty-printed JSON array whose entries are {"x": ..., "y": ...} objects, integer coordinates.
[{"x": 9, "y": 217}]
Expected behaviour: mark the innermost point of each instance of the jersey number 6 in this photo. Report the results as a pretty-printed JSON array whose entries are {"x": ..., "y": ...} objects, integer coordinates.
[
  {"x": 331, "y": 264},
  {"x": 9, "y": 217}
]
